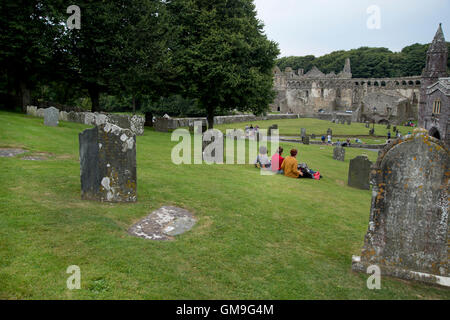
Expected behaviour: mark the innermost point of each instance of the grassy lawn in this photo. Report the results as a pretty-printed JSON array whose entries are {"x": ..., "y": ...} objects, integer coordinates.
[
  {"x": 291, "y": 127},
  {"x": 257, "y": 237}
]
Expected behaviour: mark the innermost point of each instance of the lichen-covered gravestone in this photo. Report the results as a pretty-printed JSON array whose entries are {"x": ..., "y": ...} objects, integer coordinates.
[
  {"x": 359, "y": 173},
  {"x": 339, "y": 153},
  {"x": 408, "y": 234},
  {"x": 108, "y": 164},
  {"x": 51, "y": 117}
]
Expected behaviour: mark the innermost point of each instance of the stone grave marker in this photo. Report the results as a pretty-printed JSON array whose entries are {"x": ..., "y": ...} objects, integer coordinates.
[
  {"x": 163, "y": 224},
  {"x": 108, "y": 164},
  {"x": 306, "y": 140},
  {"x": 51, "y": 117},
  {"x": 366, "y": 124},
  {"x": 339, "y": 153},
  {"x": 359, "y": 172},
  {"x": 329, "y": 132},
  {"x": 408, "y": 234}
]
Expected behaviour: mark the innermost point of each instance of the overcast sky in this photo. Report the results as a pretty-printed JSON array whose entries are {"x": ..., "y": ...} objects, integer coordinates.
[{"x": 318, "y": 27}]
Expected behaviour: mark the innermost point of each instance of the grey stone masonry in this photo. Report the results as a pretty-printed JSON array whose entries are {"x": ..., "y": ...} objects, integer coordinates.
[
  {"x": 359, "y": 172},
  {"x": 51, "y": 117},
  {"x": 108, "y": 164},
  {"x": 408, "y": 234},
  {"x": 339, "y": 153}
]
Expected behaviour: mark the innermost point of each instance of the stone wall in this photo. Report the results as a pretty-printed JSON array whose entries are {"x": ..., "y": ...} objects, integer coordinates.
[{"x": 135, "y": 123}]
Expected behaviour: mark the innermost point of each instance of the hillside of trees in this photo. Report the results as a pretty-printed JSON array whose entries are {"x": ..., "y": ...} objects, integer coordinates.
[
  {"x": 366, "y": 62},
  {"x": 154, "y": 56}
]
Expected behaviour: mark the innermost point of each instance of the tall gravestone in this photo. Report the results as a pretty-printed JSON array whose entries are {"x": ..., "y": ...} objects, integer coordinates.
[
  {"x": 108, "y": 164},
  {"x": 339, "y": 153},
  {"x": 359, "y": 173},
  {"x": 408, "y": 235},
  {"x": 329, "y": 132},
  {"x": 51, "y": 117},
  {"x": 306, "y": 140},
  {"x": 303, "y": 133}
]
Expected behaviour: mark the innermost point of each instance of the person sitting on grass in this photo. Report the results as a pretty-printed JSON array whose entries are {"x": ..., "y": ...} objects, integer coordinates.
[
  {"x": 262, "y": 160},
  {"x": 277, "y": 161},
  {"x": 290, "y": 165}
]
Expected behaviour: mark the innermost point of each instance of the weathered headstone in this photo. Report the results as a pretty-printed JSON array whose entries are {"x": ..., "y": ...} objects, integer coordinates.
[
  {"x": 349, "y": 121},
  {"x": 40, "y": 112},
  {"x": 359, "y": 172},
  {"x": 31, "y": 110},
  {"x": 329, "y": 132},
  {"x": 408, "y": 235},
  {"x": 303, "y": 133},
  {"x": 339, "y": 153},
  {"x": 108, "y": 164},
  {"x": 306, "y": 140},
  {"x": 51, "y": 117},
  {"x": 63, "y": 116}
]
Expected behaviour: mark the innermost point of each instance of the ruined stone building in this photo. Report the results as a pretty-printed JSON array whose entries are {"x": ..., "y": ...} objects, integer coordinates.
[
  {"x": 316, "y": 94},
  {"x": 434, "y": 107}
]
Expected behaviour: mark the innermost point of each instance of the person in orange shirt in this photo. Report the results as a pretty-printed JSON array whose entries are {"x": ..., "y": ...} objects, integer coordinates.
[{"x": 290, "y": 165}]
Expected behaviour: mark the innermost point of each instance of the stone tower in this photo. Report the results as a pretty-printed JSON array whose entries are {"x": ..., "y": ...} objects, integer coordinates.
[
  {"x": 347, "y": 67},
  {"x": 435, "y": 68}
]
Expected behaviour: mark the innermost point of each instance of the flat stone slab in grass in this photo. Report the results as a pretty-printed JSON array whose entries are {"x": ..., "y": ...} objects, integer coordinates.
[
  {"x": 163, "y": 224},
  {"x": 35, "y": 157},
  {"x": 11, "y": 152}
]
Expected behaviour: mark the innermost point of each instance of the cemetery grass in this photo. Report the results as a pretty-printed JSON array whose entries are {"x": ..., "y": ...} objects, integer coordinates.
[
  {"x": 257, "y": 237},
  {"x": 291, "y": 127}
]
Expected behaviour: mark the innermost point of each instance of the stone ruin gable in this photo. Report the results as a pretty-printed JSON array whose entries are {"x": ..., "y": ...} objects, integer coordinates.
[
  {"x": 108, "y": 164},
  {"x": 408, "y": 234}
]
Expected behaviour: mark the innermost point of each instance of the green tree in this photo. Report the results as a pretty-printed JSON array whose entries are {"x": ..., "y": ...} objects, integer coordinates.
[
  {"x": 224, "y": 57},
  {"x": 27, "y": 39}
]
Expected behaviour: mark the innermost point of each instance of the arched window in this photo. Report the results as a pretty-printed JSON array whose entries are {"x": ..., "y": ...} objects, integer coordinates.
[
  {"x": 411, "y": 83},
  {"x": 383, "y": 83},
  {"x": 437, "y": 106}
]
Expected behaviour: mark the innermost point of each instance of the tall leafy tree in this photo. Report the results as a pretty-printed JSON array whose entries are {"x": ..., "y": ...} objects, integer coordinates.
[
  {"x": 224, "y": 57},
  {"x": 27, "y": 39}
]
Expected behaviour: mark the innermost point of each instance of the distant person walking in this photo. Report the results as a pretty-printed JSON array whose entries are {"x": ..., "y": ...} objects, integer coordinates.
[{"x": 329, "y": 139}]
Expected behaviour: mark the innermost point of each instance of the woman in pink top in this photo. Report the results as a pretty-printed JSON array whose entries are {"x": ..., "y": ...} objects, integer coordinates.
[{"x": 277, "y": 160}]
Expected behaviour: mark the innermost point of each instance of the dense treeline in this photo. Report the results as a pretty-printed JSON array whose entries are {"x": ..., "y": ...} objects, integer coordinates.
[
  {"x": 366, "y": 62},
  {"x": 196, "y": 57}
]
